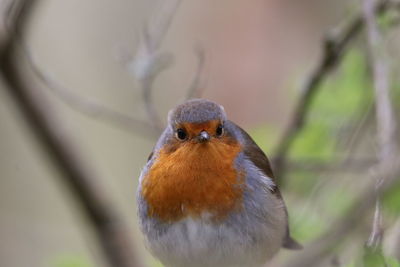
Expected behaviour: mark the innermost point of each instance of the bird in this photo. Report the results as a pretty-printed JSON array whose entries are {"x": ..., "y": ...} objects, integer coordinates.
[{"x": 207, "y": 195}]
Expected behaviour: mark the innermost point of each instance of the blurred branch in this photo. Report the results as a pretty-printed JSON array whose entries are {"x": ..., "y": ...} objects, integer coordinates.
[
  {"x": 342, "y": 228},
  {"x": 152, "y": 39},
  {"x": 194, "y": 90},
  {"x": 334, "y": 49},
  {"x": 386, "y": 125},
  {"x": 149, "y": 62},
  {"x": 388, "y": 167},
  {"x": 375, "y": 238},
  {"x": 45, "y": 123},
  {"x": 14, "y": 14},
  {"x": 90, "y": 107}
]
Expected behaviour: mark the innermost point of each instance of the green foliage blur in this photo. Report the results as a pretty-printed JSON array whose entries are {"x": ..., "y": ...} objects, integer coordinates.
[
  {"x": 339, "y": 127},
  {"x": 70, "y": 260}
]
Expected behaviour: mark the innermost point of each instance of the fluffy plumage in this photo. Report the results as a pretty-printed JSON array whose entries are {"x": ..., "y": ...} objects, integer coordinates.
[{"x": 210, "y": 203}]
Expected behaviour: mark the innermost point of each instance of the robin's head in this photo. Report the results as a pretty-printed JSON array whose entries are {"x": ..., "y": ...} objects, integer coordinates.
[
  {"x": 194, "y": 170},
  {"x": 197, "y": 121}
]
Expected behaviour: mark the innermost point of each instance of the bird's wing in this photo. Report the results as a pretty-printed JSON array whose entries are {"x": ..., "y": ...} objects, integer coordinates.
[
  {"x": 258, "y": 157},
  {"x": 150, "y": 156},
  {"x": 254, "y": 152}
]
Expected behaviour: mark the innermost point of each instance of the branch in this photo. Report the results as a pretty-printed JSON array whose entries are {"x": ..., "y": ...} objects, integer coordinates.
[
  {"x": 388, "y": 168},
  {"x": 57, "y": 141},
  {"x": 149, "y": 62},
  {"x": 335, "y": 47},
  {"x": 386, "y": 125},
  {"x": 315, "y": 252},
  {"x": 152, "y": 41},
  {"x": 88, "y": 106}
]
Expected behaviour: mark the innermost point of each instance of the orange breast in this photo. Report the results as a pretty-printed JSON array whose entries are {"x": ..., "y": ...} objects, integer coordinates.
[{"x": 193, "y": 179}]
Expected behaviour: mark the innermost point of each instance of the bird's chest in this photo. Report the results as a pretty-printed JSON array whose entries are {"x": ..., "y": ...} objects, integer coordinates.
[
  {"x": 198, "y": 242},
  {"x": 194, "y": 180}
]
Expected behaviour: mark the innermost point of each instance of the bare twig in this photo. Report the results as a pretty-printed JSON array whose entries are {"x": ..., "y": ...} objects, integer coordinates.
[
  {"x": 90, "y": 107},
  {"x": 389, "y": 168},
  {"x": 160, "y": 23},
  {"x": 335, "y": 47},
  {"x": 386, "y": 124},
  {"x": 149, "y": 62},
  {"x": 59, "y": 144},
  {"x": 376, "y": 236},
  {"x": 194, "y": 90},
  {"x": 147, "y": 65},
  {"x": 10, "y": 10},
  {"x": 339, "y": 231},
  {"x": 161, "y": 63}
]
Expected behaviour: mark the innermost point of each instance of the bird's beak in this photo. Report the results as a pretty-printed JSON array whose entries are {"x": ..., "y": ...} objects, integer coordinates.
[{"x": 203, "y": 137}]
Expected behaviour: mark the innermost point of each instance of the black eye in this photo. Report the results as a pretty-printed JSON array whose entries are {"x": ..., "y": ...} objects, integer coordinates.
[
  {"x": 181, "y": 134},
  {"x": 220, "y": 130}
]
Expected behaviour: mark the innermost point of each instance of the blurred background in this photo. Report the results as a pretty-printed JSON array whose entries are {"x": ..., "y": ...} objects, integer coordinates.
[{"x": 256, "y": 57}]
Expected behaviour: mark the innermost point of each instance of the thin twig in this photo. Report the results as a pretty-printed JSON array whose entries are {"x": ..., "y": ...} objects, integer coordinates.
[
  {"x": 152, "y": 38},
  {"x": 340, "y": 230},
  {"x": 335, "y": 47},
  {"x": 148, "y": 64},
  {"x": 386, "y": 124},
  {"x": 376, "y": 236},
  {"x": 57, "y": 141},
  {"x": 90, "y": 107},
  {"x": 149, "y": 61}
]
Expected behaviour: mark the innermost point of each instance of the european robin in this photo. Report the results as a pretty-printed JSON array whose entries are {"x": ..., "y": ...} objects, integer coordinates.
[{"x": 207, "y": 196}]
